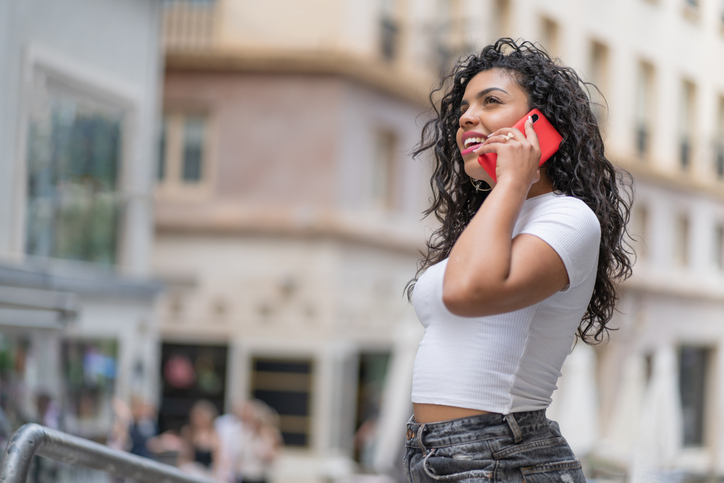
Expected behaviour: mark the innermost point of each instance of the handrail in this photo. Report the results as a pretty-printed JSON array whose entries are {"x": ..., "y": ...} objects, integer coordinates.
[{"x": 32, "y": 439}]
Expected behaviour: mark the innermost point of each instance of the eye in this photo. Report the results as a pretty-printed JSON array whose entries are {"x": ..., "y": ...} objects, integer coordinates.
[{"x": 491, "y": 99}]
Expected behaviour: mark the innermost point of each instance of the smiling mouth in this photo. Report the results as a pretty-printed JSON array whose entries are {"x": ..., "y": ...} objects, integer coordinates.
[{"x": 472, "y": 141}]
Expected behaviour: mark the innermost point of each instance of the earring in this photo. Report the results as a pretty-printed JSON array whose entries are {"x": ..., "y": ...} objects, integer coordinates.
[{"x": 477, "y": 186}]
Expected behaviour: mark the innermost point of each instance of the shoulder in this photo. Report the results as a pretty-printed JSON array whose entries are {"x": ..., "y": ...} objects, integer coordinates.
[
  {"x": 570, "y": 227},
  {"x": 565, "y": 212}
]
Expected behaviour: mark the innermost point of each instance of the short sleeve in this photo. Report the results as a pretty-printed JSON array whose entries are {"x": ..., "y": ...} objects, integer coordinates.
[{"x": 571, "y": 228}]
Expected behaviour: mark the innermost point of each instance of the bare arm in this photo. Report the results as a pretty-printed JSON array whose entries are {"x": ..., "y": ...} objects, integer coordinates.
[{"x": 488, "y": 272}]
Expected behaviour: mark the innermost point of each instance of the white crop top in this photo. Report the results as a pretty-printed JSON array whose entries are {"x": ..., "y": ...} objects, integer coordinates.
[{"x": 509, "y": 362}]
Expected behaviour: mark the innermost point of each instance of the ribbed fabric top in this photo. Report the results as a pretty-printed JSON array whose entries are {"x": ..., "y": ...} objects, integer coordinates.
[{"x": 509, "y": 362}]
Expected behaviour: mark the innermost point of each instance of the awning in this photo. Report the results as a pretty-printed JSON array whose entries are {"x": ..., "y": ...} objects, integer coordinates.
[{"x": 36, "y": 308}]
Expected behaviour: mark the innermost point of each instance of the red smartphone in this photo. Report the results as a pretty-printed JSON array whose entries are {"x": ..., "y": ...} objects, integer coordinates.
[{"x": 548, "y": 138}]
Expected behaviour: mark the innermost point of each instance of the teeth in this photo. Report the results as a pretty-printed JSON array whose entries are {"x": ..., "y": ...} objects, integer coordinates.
[{"x": 470, "y": 141}]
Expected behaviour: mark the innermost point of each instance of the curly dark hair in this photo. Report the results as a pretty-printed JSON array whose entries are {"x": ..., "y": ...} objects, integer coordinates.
[{"x": 579, "y": 168}]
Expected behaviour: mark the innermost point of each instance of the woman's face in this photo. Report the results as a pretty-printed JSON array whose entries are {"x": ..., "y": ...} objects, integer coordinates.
[{"x": 492, "y": 100}]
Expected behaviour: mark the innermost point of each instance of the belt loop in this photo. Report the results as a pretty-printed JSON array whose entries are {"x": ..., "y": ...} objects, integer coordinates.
[
  {"x": 420, "y": 430},
  {"x": 510, "y": 419}
]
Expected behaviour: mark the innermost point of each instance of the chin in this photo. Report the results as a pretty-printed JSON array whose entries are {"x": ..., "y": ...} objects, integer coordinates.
[{"x": 475, "y": 171}]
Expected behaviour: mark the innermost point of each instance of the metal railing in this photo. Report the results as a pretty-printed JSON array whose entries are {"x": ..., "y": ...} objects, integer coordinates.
[{"x": 34, "y": 439}]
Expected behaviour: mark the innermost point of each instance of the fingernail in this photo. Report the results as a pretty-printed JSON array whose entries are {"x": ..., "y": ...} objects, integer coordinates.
[{"x": 530, "y": 119}]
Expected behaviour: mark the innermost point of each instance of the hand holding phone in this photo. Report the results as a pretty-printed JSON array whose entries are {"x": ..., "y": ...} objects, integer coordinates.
[{"x": 548, "y": 138}]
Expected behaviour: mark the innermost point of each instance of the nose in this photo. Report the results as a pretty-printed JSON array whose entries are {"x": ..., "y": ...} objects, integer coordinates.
[{"x": 468, "y": 118}]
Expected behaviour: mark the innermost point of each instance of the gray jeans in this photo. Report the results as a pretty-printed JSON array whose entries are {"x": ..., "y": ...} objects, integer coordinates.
[{"x": 520, "y": 447}]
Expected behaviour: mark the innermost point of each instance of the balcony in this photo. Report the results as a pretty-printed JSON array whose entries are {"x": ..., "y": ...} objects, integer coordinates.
[{"x": 188, "y": 25}]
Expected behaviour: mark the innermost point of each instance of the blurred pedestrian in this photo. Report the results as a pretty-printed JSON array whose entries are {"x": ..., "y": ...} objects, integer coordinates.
[
  {"x": 229, "y": 427},
  {"x": 143, "y": 427},
  {"x": 260, "y": 441},
  {"x": 203, "y": 446},
  {"x": 526, "y": 258}
]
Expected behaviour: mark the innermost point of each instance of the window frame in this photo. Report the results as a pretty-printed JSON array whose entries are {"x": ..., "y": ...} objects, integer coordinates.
[
  {"x": 646, "y": 97},
  {"x": 172, "y": 184},
  {"x": 315, "y": 367},
  {"x": 42, "y": 65},
  {"x": 686, "y": 128}
]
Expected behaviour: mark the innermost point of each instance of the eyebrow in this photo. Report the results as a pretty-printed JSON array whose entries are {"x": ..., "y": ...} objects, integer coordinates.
[{"x": 482, "y": 93}]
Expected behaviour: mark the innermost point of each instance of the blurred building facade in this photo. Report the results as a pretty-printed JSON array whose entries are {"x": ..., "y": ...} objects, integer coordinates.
[
  {"x": 287, "y": 219},
  {"x": 288, "y": 206},
  {"x": 79, "y": 101}
]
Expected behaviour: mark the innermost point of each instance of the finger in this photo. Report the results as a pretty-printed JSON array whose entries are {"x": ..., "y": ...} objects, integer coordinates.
[
  {"x": 530, "y": 133},
  {"x": 499, "y": 138},
  {"x": 488, "y": 148}
]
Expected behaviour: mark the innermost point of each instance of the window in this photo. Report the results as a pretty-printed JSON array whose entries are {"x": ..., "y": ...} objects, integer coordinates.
[
  {"x": 389, "y": 29},
  {"x": 686, "y": 124},
  {"x": 549, "y": 36},
  {"x": 183, "y": 150},
  {"x": 719, "y": 142},
  {"x": 162, "y": 140},
  {"x": 371, "y": 383},
  {"x": 286, "y": 386},
  {"x": 681, "y": 240},
  {"x": 384, "y": 183},
  {"x": 639, "y": 230},
  {"x": 644, "y": 107},
  {"x": 502, "y": 16},
  {"x": 90, "y": 375},
  {"x": 190, "y": 372},
  {"x": 599, "y": 77},
  {"x": 450, "y": 34},
  {"x": 74, "y": 157},
  {"x": 694, "y": 364},
  {"x": 718, "y": 249}
]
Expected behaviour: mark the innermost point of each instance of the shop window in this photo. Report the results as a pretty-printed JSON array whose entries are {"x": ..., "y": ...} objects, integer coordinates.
[
  {"x": 686, "y": 125},
  {"x": 15, "y": 351},
  {"x": 384, "y": 192},
  {"x": 644, "y": 108},
  {"x": 190, "y": 372},
  {"x": 74, "y": 158},
  {"x": 286, "y": 386},
  {"x": 681, "y": 240},
  {"x": 90, "y": 370},
  {"x": 694, "y": 363},
  {"x": 371, "y": 383}
]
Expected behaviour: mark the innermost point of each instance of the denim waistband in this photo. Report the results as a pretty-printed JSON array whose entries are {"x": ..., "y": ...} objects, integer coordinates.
[{"x": 474, "y": 428}]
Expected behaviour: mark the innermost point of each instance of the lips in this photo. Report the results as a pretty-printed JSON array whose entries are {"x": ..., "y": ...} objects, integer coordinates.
[{"x": 471, "y": 141}]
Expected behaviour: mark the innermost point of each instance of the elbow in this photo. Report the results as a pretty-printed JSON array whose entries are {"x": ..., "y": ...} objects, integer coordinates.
[{"x": 464, "y": 300}]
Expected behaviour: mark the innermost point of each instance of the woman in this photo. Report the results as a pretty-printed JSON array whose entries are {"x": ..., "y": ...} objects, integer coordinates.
[
  {"x": 202, "y": 441},
  {"x": 259, "y": 442},
  {"x": 520, "y": 266}
]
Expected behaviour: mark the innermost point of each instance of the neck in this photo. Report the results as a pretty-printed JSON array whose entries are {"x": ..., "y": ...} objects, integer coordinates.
[{"x": 542, "y": 186}]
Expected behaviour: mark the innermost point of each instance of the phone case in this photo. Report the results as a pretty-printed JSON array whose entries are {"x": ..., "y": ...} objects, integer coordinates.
[{"x": 548, "y": 138}]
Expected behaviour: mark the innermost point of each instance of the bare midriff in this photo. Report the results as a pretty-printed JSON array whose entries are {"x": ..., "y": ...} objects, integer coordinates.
[{"x": 433, "y": 413}]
